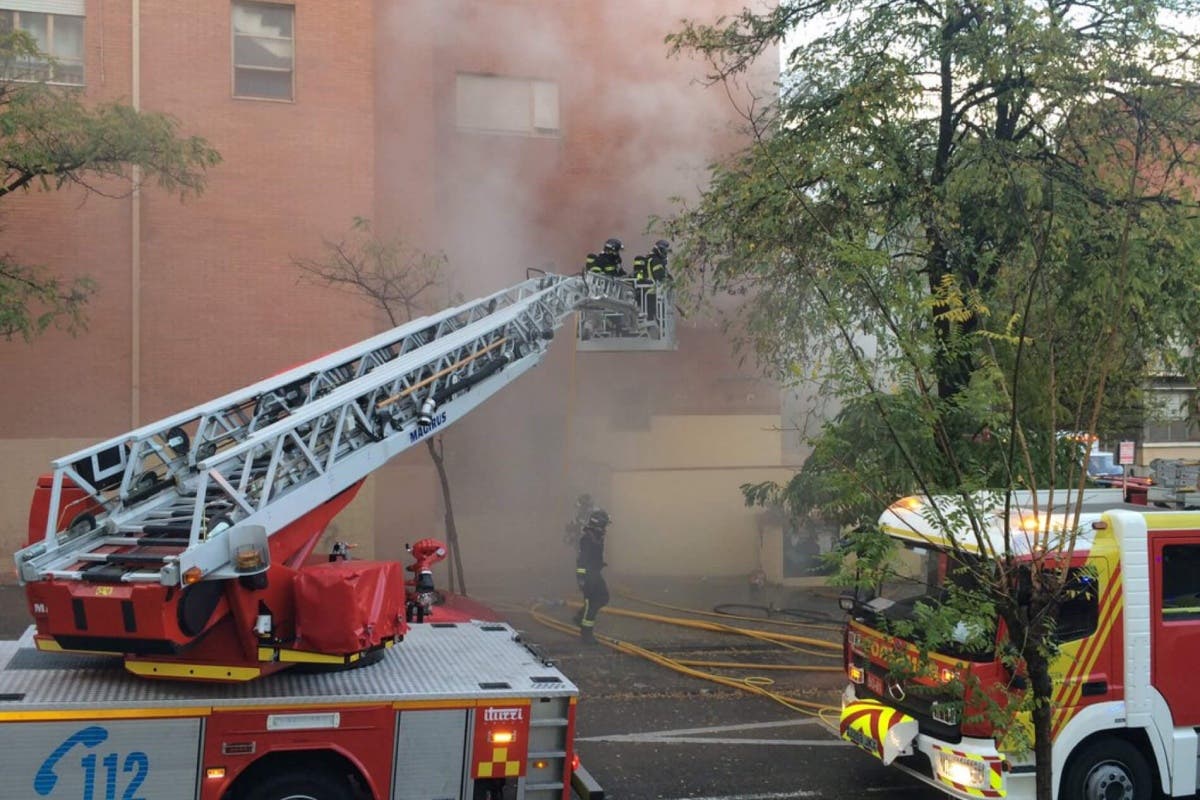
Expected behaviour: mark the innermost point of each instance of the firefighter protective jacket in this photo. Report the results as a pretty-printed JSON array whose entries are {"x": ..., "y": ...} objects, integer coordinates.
[
  {"x": 591, "y": 551},
  {"x": 606, "y": 264}
]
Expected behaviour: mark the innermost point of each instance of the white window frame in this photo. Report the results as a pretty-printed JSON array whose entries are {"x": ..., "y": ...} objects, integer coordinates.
[
  {"x": 51, "y": 10},
  {"x": 234, "y": 67},
  {"x": 543, "y": 117}
]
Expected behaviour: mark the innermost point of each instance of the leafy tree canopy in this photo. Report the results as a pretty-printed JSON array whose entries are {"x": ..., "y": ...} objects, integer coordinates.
[
  {"x": 987, "y": 207},
  {"x": 49, "y": 138},
  {"x": 961, "y": 217}
]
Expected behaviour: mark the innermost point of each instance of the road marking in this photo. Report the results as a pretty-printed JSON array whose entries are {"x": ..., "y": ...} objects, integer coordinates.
[
  {"x": 695, "y": 735},
  {"x": 648, "y": 738},
  {"x": 767, "y": 796}
]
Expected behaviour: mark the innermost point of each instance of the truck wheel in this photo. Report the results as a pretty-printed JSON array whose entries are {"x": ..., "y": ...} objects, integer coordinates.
[
  {"x": 1107, "y": 769},
  {"x": 302, "y": 784}
]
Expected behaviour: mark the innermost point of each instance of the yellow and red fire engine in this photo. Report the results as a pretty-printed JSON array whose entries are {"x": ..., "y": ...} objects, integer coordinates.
[
  {"x": 182, "y": 551},
  {"x": 1126, "y": 709}
]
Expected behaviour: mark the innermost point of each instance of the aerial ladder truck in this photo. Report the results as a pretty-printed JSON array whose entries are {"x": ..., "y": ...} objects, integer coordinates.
[{"x": 185, "y": 545}]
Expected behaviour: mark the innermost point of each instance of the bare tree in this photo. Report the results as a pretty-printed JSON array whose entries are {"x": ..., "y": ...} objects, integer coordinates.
[{"x": 400, "y": 280}]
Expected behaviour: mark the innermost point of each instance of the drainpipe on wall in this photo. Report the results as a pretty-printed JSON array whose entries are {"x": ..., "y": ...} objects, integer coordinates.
[{"x": 135, "y": 227}]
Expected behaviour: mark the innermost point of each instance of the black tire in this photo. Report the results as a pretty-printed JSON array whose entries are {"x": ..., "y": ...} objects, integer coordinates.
[
  {"x": 490, "y": 789},
  {"x": 302, "y": 784},
  {"x": 1107, "y": 769}
]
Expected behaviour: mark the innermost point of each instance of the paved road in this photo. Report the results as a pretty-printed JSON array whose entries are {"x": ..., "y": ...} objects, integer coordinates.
[
  {"x": 646, "y": 732},
  {"x": 732, "y": 748}
]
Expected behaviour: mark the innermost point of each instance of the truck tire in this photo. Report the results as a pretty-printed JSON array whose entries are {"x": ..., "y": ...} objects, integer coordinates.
[
  {"x": 302, "y": 784},
  {"x": 1107, "y": 769}
]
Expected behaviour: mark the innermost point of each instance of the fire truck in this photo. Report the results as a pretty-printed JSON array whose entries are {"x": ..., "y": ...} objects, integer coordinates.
[
  {"x": 1126, "y": 710},
  {"x": 1176, "y": 483},
  {"x": 457, "y": 710},
  {"x": 183, "y": 552}
]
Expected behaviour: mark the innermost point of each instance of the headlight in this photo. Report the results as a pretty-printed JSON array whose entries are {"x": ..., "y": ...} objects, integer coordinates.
[{"x": 963, "y": 771}]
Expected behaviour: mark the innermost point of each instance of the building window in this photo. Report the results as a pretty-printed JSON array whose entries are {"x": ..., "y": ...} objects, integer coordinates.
[
  {"x": 263, "y": 51},
  {"x": 1167, "y": 417},
  {"x": 59, "y": 37},
  {"x": 494, "y": 104}
]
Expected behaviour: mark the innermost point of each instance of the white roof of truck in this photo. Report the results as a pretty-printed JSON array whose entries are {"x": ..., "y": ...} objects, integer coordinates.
[
  {"x": 434, "y": 662},
  {"x": 941, "y": 521}
]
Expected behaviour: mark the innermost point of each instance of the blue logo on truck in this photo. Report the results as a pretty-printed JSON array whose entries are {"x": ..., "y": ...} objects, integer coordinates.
[
  {"x": 423, "y": 430},
  {"x": 136, "y": 765}
]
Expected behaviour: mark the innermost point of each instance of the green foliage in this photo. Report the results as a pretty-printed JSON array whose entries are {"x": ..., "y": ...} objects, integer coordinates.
[
  {"x": 32, "y": 300},
  {"x": 974, "y": 224},
  {"x": 50, "y": 138},
  {"x": 961, "y": 218},
  {"x": 857, "y": 468},
  {"x": 866, "y": 560}
]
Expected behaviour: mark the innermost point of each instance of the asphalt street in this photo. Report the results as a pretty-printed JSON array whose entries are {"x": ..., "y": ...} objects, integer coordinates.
[
  {"x": 648, "y": 732},
  {"x": 645, "y": 731}
]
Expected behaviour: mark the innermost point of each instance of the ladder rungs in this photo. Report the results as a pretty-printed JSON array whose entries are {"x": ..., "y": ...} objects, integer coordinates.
[
  {"x": 127, "y": 558},
  {"x": 64, "y": 574},
  {"x": 143, "y": 541},
  {"x": 153, "y": 529}
]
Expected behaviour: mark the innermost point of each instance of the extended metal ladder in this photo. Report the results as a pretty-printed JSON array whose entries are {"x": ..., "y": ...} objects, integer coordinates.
[{"x": 181, "y": 499}]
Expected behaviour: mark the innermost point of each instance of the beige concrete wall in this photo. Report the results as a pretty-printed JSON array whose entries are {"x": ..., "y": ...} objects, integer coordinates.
[
  {"x": 356, "y": 524},
  {"x": 684, "y": 441},
  {"x": 1149, "y": 451},
  {"x": 672, "y": 490},
  {"x": 687, "y": 522}
]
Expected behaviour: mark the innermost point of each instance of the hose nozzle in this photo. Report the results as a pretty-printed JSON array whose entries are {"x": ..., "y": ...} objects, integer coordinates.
[{"x": 425, "y": 417}]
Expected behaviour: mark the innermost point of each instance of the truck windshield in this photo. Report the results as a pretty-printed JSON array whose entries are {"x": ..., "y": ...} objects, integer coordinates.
[
  {"x": 925, "y": 577},
  {"x": 1103, "y": 464}
]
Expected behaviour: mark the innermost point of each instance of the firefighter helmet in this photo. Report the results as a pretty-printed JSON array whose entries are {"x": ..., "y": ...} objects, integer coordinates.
[
  {"x": 598, "y": 519},
  {"x": 613, "y": 246},
  {"x": 662, "y": 247}
]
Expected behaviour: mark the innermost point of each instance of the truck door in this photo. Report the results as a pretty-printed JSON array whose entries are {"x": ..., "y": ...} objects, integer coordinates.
[
  {"x": 1083, "y": 671},
  {"x": 1175, "y": 622}
]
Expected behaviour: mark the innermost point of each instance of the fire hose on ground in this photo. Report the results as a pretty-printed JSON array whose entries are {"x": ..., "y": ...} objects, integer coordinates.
[{"x": 757, "y": 685}]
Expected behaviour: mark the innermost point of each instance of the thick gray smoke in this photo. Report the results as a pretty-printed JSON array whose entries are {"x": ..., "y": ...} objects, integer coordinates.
[{"x": 635, "y": 130}]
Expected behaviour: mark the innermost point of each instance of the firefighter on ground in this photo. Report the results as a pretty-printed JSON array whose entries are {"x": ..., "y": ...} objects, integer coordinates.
[
  {"x": 608, "y": 262},
  {"x": 648, "y": 272},
  {"x": 588, "y": 566}
]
